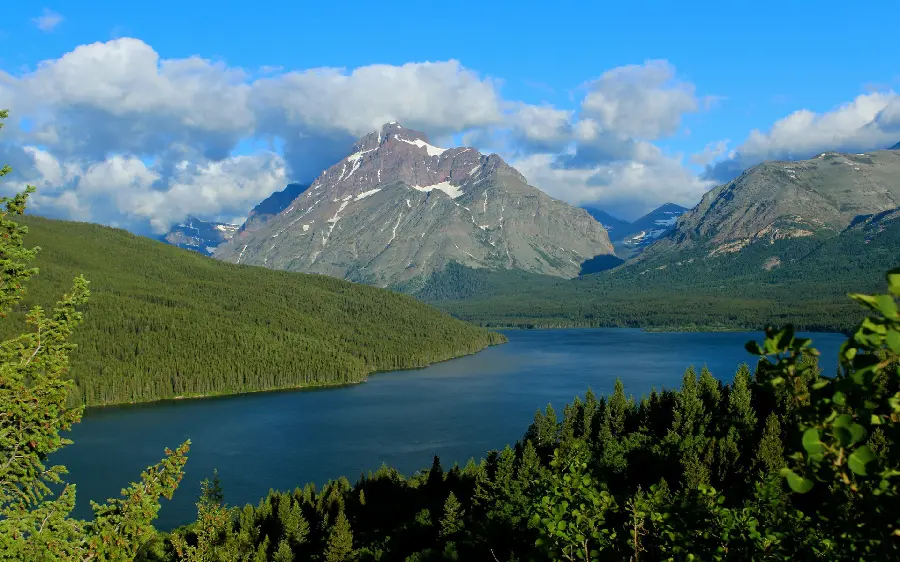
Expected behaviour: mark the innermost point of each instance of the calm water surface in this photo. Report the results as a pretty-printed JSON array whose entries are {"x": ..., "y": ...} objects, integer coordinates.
[{"x": 457, "y": 409}]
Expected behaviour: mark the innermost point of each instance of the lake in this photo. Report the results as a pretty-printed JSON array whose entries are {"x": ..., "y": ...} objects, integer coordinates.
[{"x": 457, "y": 409}]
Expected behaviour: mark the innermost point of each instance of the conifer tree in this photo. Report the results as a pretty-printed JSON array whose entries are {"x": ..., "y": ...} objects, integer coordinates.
[
  {"x": 740, "y": 407},
  {"x": 770, "y": 453},
  {"x": 283, "y": 553},
  {"x": 34, "y": 388},
  {"x": 452, "y": 520},
  {"x": 617, "y": 405},
  {"x": 340, "y": 540}
]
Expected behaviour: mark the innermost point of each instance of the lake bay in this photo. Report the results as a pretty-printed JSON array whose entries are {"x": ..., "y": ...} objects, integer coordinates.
[{"x": 457, "y": 409}]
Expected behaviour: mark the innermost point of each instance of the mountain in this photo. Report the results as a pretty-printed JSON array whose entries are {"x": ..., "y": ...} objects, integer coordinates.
[
  {"x": 398, "y": 209},
  {"x": 816, "y": 198},
  {"x": 647, "y": 229},
  {"x": 745, "y": 290},
  {"x": 895, "y": 147},
  {"x": 615, "y": 227},
  {"x": 163, "y": 322},
  {"x": 200, "y": 235},
  {"x": 271, "y": 206}
]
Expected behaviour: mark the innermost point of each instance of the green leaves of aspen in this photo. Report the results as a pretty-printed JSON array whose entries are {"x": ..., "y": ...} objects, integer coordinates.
[
  {"x": 858, "y": 460},
  {"x": 885, "y": 304},
  {"x": 893, "y": 279},
  {"x": 813, "y": 444},
  {"x": 797, "y": 483}
]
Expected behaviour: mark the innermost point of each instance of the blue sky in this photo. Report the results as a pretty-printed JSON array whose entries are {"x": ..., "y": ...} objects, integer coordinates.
[{"x": 746, "y": 65}]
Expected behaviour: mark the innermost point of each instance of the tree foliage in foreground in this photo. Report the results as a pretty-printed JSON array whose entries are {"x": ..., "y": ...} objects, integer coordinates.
[
  {"x": 783, "y": 463},
  {"x": 35, "y": 501}
]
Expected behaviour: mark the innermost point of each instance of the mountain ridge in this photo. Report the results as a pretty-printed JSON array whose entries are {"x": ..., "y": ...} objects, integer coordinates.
[{"x": 818, "y": 197}]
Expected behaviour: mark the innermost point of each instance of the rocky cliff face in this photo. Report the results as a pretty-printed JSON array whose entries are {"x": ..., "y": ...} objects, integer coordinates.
[
  {"x": 784, "y": 200},
  {"x": 398, "y": 208}
]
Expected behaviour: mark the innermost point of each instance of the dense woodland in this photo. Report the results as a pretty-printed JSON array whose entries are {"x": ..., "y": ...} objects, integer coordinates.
[
  {"x": 686, "y": 291},
  {"x": 164, "y": 322}
]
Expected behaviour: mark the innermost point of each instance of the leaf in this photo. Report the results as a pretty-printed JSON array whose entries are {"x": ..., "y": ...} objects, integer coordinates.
[
  {"x": 858, "y": 433},
  {"x": 884, "y": 304},
  {"x": 812, "y": 443},
  {"x": 858, "y": 460},
  {"x": 786, "y": 337},
  {"x": 843, "y": 420},
  {"x": 892, "y": 339},
  {"x": 843, "y": 435},
  {"x": 753, "y": 347},
  {"x": 797, "y": 483},
  {"x": 893, "y": 279}
]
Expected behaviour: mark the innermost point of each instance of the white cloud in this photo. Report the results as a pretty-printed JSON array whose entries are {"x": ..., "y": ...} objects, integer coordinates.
[
  {"x": 603, "y": 153},
  {"x": 640, "y": 101},
  {"x": 48, "y": 20},
  {"x": 710, "y": 152},
  {"x": 627, "y": 188},
  {"x": 869, "y": 122},
  {"x": 122, "y": 189}
]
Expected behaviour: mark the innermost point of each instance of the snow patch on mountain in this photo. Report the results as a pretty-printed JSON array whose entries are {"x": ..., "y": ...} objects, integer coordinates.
[
  {"x": 452, "y": 190},
  {"x": 431, "y": 149}
]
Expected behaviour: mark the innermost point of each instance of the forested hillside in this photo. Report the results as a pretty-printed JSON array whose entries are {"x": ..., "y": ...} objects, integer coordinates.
[
  {"x": 783, "y": 463},
  {"x": 801, "y": 280},
  {"x": 165, "y": 322}
]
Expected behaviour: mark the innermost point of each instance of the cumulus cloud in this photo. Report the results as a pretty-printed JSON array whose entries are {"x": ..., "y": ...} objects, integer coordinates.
[
  {"x": 641, "y": 101},
  {"x": 125, "y": 190},
  {"x": 48, "y": 20},
  {"x": 626, "y": 188},
  {"x": 118, "y": 109},
  {"x": 603, "y": 153},
  {"x": 869, "y": 122}
]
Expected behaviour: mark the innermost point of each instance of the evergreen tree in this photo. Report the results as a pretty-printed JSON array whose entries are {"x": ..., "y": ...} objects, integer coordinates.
[
  {"x": 452, "y": 520},
  {"x": 34, "y": 389},
  {"x": 616, "y": 406},
  {"x": 740, "y": 407},
  {"x": 340, "y": 540},
  {"x": 689, "y": 406},
  {"x": 770, "y": 453},
  {"x": 283, "y": 553}
]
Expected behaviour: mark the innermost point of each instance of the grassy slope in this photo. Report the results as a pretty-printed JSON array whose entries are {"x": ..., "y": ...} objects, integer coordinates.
[
  {"x": 729, "y": 292},
  {"x": 164, "y": 322}
]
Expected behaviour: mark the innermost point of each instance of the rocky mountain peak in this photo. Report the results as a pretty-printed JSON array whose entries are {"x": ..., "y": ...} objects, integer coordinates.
[
  {"x": 397, "y": 154},
  {"x": 399, "y": 208},
  {"x": 390, "y": 132}
]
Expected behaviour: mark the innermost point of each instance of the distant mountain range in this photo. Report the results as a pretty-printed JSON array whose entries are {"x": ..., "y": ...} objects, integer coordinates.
[
  {"x": 629, "y": 238},
  {"x": 402, "y": 213},
  {"x": 895, "y": 147},
  {"x": 200, "y": 235},
  {"x": 398, "y": 208}
]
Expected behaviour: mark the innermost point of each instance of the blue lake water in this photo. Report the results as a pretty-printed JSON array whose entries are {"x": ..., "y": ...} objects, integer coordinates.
[{"x": 457, "y": 409}]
